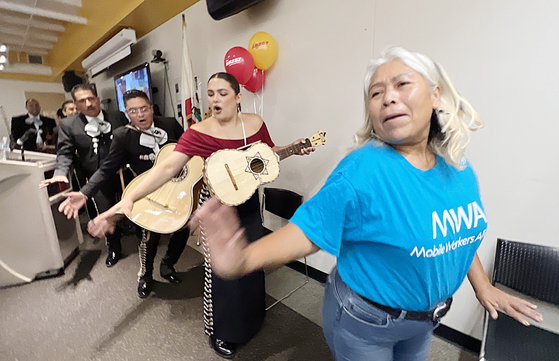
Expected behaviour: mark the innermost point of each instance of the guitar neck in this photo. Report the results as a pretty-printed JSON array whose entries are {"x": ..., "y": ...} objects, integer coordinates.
[{"x": 293, "y": 149}]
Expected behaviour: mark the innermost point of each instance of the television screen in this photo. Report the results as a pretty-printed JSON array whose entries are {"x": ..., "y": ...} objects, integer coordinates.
[{"x": 135, "y": 78}]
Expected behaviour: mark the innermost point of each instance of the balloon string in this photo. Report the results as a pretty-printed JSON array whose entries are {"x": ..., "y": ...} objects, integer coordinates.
[
  {"x": 254, "y": 104},
  {"x": 259, "y": 109},
  {"x": 262, "y": 98}
]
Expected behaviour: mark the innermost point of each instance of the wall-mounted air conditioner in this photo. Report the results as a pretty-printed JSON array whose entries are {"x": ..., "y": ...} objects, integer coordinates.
[{"x": 117, "y": 48}]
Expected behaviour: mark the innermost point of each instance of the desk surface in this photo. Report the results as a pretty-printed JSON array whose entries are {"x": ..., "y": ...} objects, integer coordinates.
[{"x": 31, "y": 158}]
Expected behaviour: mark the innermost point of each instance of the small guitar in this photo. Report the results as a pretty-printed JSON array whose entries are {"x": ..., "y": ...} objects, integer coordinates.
[
  {"x": 168, "y": 209},
  {"x": 233, "y": 175}
]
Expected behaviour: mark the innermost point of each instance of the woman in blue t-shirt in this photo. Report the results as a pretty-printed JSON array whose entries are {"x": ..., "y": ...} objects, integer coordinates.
[{"x": 402, "y": 213}]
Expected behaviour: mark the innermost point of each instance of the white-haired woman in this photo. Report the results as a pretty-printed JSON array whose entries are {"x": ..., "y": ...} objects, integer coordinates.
[{"x": 402, "y": 213}]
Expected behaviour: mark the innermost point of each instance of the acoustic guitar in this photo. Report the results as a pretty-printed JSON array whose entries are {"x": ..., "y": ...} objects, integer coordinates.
[
  {"x": 233, "y": 175},
  {"x": 168, "y": 209}
]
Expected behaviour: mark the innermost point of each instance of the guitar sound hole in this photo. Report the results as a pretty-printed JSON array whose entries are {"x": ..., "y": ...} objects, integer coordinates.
[
  {"x": 181, "y": 175},
  {"x": 257, "y": 165}
]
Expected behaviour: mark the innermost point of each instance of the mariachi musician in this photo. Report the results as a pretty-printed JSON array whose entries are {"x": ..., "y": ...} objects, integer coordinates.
[{"x": 137, "y": 145}]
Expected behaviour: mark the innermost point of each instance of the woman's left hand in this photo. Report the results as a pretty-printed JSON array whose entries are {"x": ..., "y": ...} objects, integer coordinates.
[
  {"x": 304, "y": 151},
  {"x": 492, "y": 298}
]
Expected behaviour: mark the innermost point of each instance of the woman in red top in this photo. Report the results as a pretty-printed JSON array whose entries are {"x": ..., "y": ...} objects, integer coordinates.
[{"x": 233, "y": 310}]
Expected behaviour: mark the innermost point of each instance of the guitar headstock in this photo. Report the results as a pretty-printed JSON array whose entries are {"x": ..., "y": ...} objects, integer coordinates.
[{"x": 318, "y": 138}]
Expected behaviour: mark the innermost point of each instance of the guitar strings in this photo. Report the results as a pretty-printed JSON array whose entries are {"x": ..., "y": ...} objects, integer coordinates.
[{"x": 165, "y": 195}]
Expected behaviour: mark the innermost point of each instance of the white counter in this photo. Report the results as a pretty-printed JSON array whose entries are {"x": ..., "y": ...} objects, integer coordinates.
[{"x": 35, "y": 239}]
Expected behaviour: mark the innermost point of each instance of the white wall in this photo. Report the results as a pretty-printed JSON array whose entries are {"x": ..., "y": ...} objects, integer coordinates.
[
  {"x": 501, "y": 56},
  {"x": 12, "y": 97}
]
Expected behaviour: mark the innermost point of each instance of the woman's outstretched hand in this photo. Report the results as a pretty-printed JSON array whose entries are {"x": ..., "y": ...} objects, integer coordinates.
[
  {"x": 221, "y": 228},
  {"x": 102, "y": 225},
  {"x": 492, "y": 298},
  {"x": 105, "y": 223}
]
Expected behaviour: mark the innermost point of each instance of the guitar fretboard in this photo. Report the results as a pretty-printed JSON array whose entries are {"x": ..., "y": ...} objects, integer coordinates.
[{"x": 293, "y": 149}]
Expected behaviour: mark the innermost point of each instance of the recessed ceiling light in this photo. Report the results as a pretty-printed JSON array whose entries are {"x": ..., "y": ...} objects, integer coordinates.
[{"x": 3, "y": 48}]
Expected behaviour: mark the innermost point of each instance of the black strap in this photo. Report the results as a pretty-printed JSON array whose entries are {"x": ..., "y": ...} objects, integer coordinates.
[{"x": 432, "y": 315}]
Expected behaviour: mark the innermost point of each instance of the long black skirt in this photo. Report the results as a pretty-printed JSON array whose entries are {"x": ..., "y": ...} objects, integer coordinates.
[{"x": 238, "y": 306}]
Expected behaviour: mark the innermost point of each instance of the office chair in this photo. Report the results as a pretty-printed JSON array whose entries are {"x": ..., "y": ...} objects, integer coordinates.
[
  {"x": 283, "y": 203},
  {"x": 531, "y": 270}
]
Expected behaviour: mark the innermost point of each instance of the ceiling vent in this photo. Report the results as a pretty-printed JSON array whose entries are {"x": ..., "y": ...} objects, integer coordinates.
[{"x": 35, "y": 59}]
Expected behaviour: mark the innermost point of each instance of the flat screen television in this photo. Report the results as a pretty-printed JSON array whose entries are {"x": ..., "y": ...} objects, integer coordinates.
[{"x": 136, "y": 78}]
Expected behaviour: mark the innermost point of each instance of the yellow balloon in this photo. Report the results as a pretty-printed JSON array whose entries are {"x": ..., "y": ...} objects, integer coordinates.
[{"x": 264, "y": 50}]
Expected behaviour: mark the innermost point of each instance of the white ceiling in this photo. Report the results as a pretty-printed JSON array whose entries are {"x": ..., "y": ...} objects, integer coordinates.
[
  {"x": 42, "y": 27},
  {"x": 33, "y": 26}
]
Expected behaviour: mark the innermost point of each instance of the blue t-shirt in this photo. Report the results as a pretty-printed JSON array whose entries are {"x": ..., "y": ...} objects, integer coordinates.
[{"x": 404, "y": 237}]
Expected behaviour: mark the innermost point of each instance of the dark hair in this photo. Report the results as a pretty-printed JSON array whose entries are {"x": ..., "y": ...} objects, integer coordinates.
[
  {"x": 229, "y": 78},
  {"x": 134, "y": 93},
  {"x": 66, "y": 103},
  {"x": 59, "y": 113},
  {"x": 91, "y": 87}
]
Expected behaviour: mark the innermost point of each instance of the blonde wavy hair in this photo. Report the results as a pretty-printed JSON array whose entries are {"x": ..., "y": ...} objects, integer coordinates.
[{"x": 455, "y": 116}]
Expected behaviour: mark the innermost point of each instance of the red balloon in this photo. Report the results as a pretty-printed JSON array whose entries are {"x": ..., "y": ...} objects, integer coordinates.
[
  {"x": 239, "y": 63},
  {"x": 256, "y": 81}
]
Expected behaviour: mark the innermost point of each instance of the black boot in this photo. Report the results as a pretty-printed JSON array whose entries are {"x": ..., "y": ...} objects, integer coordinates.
[
  {"x": 171, "y": 257},
  {"x": 223, "y": 348},
  {"x": 169, "y": 273},
  {"x": 144, "y": 286},
  {"x": 112, "y": 257},
  {"x": 115, "y": 248}
]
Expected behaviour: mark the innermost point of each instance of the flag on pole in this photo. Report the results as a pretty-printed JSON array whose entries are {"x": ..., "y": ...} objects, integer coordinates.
[{"x": 190, "y": 100}]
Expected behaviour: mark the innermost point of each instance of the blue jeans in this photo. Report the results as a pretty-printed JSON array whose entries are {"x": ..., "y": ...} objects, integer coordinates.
[{"x": 357, "y": 331}]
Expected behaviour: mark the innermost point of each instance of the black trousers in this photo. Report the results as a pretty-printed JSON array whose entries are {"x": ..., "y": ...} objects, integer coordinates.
[
  {"x": 176, "y": 246},
  {"x": 104, "y": 199}
]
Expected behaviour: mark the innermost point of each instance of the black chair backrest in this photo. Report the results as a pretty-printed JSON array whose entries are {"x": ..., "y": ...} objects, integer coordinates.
[
  {"x": 281, "y": 202},
  {"x": 528, "y": 268}
]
